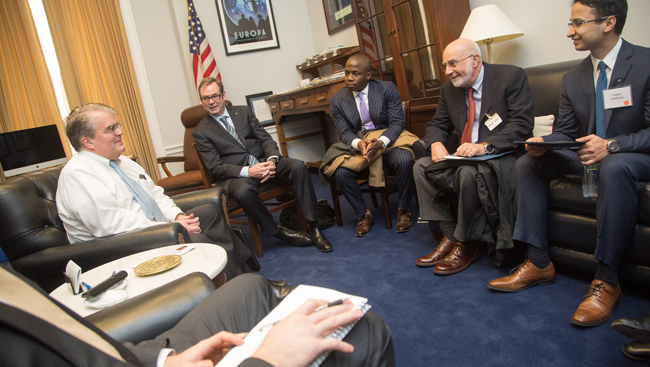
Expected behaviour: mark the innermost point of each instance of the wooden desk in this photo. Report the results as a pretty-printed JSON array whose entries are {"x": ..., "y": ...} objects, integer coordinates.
[{"x": 313, "y": 99}]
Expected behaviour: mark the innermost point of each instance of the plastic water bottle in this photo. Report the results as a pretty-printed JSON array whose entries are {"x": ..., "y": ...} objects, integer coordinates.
[{"x": 590, "y": 181}]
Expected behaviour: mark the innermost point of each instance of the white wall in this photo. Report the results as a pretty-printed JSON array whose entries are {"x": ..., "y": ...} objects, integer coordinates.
[
  {"x": 322, "y": 40},
  {"x": 544, "y": 24}
]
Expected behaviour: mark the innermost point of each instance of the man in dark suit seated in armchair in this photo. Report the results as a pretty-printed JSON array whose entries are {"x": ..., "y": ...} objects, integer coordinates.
[{"x": 241, "y": 155}]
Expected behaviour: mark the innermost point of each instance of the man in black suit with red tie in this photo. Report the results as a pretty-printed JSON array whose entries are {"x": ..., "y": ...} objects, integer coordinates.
[
  {"x": 241, "y": 155},
  {"x": 490, "y": 107}
]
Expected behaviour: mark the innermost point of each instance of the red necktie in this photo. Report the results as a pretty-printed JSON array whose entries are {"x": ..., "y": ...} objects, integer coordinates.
[{"x": 469, "y": 125}]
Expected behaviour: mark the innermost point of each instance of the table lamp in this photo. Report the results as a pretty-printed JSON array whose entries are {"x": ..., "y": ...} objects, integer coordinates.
[{"x": 487, "y": 25}]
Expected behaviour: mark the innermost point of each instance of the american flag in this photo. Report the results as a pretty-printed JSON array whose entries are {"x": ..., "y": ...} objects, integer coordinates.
[
  {"x": 203, "y": 63},
  {"x": 367, "y": 34}
]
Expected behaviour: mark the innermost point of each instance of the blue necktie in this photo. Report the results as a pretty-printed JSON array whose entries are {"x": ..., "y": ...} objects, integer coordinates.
[
  {"x": 365, "y": 115},
  {"x": 148, "y": 204},
  {"x": 230, "y": 129},
  {"x": 601, "y": 85}
]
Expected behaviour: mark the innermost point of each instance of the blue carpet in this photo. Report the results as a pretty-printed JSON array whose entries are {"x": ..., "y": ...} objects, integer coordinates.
[{"x": 454, "y": 320}]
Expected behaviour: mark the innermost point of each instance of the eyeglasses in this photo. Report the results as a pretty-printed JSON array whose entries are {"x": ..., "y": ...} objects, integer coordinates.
[
  {"x": 214, "y": 96},
  {"x": 576, "y": 25},
  {"x": 453, "y": 63},
  {"x": 111, "y": 129}
]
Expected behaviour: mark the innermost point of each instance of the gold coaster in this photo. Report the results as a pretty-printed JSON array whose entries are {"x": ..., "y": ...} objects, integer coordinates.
[{"x": 157, "y": 265}]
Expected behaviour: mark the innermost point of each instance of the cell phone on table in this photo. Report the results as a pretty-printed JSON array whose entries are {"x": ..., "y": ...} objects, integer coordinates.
[{"x": 104, "y": 285}]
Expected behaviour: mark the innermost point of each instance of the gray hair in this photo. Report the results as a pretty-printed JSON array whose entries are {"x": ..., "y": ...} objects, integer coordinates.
[{"x": 79, "y": 123}]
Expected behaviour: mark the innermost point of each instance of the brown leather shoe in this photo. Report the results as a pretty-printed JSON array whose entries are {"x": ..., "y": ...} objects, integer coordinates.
[
  {"x": 404, "y": 222},
  {"x": 598, "y": 305},
  {"x": 364, "y": 224},
  {"x": 437, "y": 255},
  {"x": 460, "y": 257},
  {"x": 524, "y": 277}
]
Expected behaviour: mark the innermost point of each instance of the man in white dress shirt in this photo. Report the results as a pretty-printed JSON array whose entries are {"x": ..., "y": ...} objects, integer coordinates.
[{"x": 102, "y": 193}]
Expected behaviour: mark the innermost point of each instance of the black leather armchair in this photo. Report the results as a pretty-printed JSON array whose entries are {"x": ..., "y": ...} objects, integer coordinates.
[
  {"x": 34, "y": 240},
  {"x": 572, "y": 218},
  {"x": 150, "y": 314}
]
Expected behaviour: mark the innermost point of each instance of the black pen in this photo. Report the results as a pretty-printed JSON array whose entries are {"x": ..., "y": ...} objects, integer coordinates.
[{"x": 331, "y": 304}]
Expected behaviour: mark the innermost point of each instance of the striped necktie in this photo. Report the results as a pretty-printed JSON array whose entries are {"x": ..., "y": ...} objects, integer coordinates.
[
  {"x": 231, "y": 130},
  {"x": 365, "y": 115},
  {"x": 148, "y": 204}
]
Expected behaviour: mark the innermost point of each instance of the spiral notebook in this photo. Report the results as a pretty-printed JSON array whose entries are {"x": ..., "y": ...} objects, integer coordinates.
[{"x": 294, "y": 300}]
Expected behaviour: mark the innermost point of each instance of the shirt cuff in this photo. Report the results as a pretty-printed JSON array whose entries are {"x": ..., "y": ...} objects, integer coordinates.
[
  {"x": 355, "y": 144},
  {"x": 385, "y": 140},
  {"x": 162, "y": 356},
  {"x": 244, "y": 172}
]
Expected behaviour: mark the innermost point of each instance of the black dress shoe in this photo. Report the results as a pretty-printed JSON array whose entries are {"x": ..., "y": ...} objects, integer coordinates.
[
  {"x": 322, "y": 243},
  {"x": 293, "y": 238},
  {"x": 637, "y": 329},
  {"x": 638, "y": 351}
]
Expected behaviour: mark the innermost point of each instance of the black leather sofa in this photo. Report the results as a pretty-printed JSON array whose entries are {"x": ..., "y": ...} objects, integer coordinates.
[
  {"x": 572, "y": 223},
  {"x": 34, "y": 240}
]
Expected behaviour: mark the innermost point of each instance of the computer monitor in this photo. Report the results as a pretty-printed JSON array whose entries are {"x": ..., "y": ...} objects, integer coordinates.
[{"x": 32, "y": 149}]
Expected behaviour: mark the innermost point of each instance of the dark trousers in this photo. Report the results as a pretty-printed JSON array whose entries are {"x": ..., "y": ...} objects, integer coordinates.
[
  {"x": 289, "y": 171},
  {"x": 616, "y": 209},
  {"x": 463, "y": 207},
  {"x": 402, "y": 162},
  {"x": 215, "y": 229},
  {"x": 240, "y": 304}
]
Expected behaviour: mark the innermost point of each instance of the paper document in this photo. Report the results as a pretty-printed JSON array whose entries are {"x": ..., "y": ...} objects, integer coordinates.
[
  {"x": 293, "y": 301},
  {"x": 479, "y": 158}
]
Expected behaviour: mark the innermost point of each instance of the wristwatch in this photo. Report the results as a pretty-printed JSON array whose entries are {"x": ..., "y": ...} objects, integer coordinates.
[
  {"x": 613, "y": 146},
  {"x": 489, "y": 148},
  {"x": 274, "y": 160}
]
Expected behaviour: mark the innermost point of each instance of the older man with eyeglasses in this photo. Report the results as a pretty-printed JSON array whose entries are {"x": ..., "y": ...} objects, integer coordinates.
[
  {"x": 241, "y": 155},
  {"x": 490, "y": 107}
]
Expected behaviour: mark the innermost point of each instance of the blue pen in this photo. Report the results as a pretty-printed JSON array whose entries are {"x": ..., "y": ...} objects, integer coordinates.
[{"x": 85, "y": 286}]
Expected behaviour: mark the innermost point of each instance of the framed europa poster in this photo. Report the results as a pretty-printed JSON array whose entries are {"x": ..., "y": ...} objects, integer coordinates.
[{"x": 247, "y": 25}]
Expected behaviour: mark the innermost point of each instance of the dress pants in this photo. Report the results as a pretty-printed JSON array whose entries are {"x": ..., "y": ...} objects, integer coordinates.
[
  {"x": 215, "y": 229},
  {"x": 402, "y": 162},
  {"x": 288, "y": 171},
  {"x": 616, "y": 209},
  {"x": 463, "y": 208},
  {"x": 240, "y": 304}
]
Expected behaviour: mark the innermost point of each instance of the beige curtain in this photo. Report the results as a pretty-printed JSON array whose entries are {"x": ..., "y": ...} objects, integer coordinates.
[
  {"x": 27, "y": 96},
  {"x": 96, "y": 66}
]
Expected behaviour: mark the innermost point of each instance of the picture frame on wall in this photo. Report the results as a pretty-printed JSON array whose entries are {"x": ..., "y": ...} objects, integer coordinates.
[
  {"x": 247, "y": 26},
  {"x": 261, "y": 108},
  {"x": 338, "y": 14}
]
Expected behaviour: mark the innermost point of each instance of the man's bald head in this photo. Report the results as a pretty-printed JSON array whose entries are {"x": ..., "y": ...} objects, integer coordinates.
[
  {"x": 357, "y": 72},
  {"x": 462, "y": 62}
]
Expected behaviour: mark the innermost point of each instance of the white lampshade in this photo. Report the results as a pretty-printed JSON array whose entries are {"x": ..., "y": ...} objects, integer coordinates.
[{"x": 488, "y": 24}]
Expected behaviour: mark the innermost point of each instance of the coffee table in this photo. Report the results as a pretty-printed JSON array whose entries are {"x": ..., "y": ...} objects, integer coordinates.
[{"x": 206, "y": 258}]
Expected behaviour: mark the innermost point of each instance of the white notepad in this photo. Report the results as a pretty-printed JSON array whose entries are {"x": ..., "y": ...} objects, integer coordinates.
[{"x": 293, "y": 301}]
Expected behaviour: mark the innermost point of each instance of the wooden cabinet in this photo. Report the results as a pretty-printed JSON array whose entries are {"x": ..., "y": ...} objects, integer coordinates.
[{"x": 405, "y": 39}]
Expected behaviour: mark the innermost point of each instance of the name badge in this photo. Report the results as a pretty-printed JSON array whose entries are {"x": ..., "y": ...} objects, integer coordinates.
[
  {"x": 618, "y": 97},
  {"x": 492, "y": 121}
]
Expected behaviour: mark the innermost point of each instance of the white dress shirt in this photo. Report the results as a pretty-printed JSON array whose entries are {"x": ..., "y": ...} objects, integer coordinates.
[
  {"x": 93, "y": 201},
  {"x": 610, "y": 61}
]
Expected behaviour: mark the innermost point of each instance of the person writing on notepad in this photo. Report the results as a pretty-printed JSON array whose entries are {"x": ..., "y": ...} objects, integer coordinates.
[{"x": 201, "y": 339}]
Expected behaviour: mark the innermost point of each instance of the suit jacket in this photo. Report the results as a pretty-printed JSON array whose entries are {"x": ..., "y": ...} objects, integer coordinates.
[
  {"x": 385, "y": 109},
  {"x": 505, "y": 91},
  {"x": 222, "y": 154},
  {"x": 29, "y": 341},
  {"x": 630, "y": 125}
]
